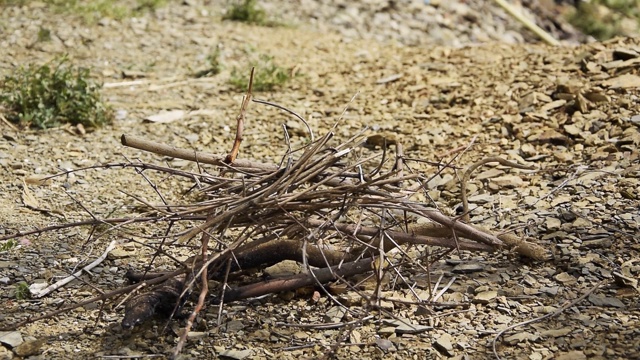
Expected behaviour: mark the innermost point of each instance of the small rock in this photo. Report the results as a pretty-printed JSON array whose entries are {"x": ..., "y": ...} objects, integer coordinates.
[
  {"x": 467, "y": 268},
  {"x": 443, "y": 345},
  {"x": 234, "y": 325},
  {"x": 481, "y": 199},
  {"x": 565, "y": 278},
  {"x": 520, "y": 337},
  {"x": 605, "y": 301},
  {"x": 387, "y": 330},
  {"x": 596, "y": 243},
  {"x": 335, "y": 314},
  {"x": 405, "y": 328},
  {"x": 11, "y": 338},
  {"x": 571, "y": 355},
  {"x": 283, "y": 269},
  {"x": 550, "y": 137},
  {"x": 5, "y": 354},
  {"x": 572, "y": 129},
  {"x": 552, "y": 290},
  {"x": 485, "y": 296},
  {"x": 235, "y": 354},
  {"x": 626, "y": 81},
  {"x": 384, "y": 344},
  {"x": 301, "y": 335},
  {"x": 508, "y": 181},
  {"x": 556, "y": 332},
  {"x": 491, "y": 173},
  {"x": 552, "y": 223}
]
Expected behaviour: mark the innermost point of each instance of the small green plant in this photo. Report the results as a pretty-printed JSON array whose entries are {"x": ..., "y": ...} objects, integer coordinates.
[
  {"x": 248, "y": 12},
  {"x": 53, "y": 94},
  {"x": 22, "y": 291},
  {"x": 44, "y": 35},
  {"x": 150, "y": 5},
  {"x": 267, "y": 77},
  {"x": 8, "y": 245},
  {"x": 92, "y": 11},
  {"x": 603, "y": 19}
]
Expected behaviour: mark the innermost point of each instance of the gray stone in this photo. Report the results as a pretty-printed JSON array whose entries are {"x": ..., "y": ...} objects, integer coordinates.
[
  {"x": 605, "y": 301},
  {"x": 11, "y": 338},
  {"x": 467, "y": 268}
]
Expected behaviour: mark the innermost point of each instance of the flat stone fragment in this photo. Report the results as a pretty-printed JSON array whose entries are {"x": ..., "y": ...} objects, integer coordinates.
[
  {"x": 481, "y": 198},
  {"x": 626, "y": 81},
  {"x": 412, "y": 329},
  {"x": 443, "y": 345},
  {"x": 605, "y": 301},
  {"x": 571, "y": 355},
  {"x": 11, "y": 338},
  {"x": 467, "y": 268},
  {"x": 509, "y": 181},
  {"x": 520, "y": 337},
  {"x": 552, "y": 290},
  {"x": 485, "y": 296},
  {"x": 556, "y": 332},
  {"x": 236, "y": 354},
  {"x": 550, "y": 137},
  {"x": 384, "y": 344},
  {"x": 565, "y": 278}
]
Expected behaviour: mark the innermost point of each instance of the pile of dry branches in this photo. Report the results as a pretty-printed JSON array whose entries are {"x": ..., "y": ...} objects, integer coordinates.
[{"x": 324, "y": 206}]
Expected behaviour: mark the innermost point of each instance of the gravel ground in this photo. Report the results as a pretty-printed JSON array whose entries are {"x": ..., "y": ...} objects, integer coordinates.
[{"x": 572, "y": 112}]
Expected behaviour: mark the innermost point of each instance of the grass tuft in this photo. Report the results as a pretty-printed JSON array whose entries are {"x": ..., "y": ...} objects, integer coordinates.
[
  {"x": 52, "y": 94},
  {"x": 8, "y": 245},
  {"x": 268, "y": 75},
  {"x": 605, "y": 19},
  {"x": 92, "y": 11},
  {"x": 248, "y": 12},
  {"x": 22, "y": 291}
]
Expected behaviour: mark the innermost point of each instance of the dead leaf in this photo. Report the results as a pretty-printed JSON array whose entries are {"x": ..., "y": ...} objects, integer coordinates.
[
  {"x": 28, "y": 199},
  {"x": 166, "y": 117}
]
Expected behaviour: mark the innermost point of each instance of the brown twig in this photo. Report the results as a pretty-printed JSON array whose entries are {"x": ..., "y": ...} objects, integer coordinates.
[
  {"x": 467, "y": 176},
  {"x": 240, "y": 119}
]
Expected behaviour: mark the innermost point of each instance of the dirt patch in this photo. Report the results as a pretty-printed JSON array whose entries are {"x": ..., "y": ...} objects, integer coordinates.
[{"x": 570, "y": 111}]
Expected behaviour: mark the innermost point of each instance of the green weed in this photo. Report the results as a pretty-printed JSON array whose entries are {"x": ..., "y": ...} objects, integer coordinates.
[
  {"x": 248, "y": 12},
  {"x": 92, "y": 11},
  {"x": 603, "y": 19},
  {"x": 53, "y": 94},
  {"x": 8, "y": 245},
  {"x": 267, "y": 77},
  {"x": 22, "y": 291}
]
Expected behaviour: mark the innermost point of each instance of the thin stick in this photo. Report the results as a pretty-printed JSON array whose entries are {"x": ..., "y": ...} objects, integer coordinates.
[
  {"x": 306, "y": 124},
  {"x": 201, "y": 298},
  {"x": 204, "y": 158},
  {"x": 240, "y": 122},
  {"x": 467, "y": 176},
  {"x": 75, "y": 275},
  {"x": 528, "y": 23},
  {"x": 555, "y": 313}
]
